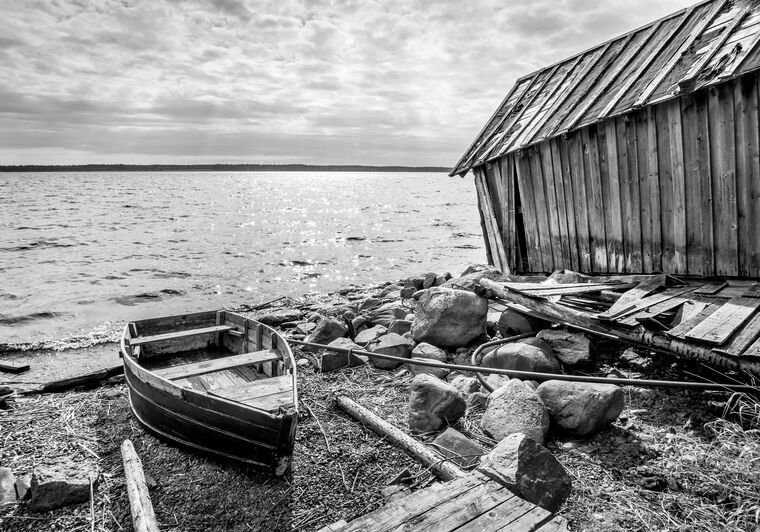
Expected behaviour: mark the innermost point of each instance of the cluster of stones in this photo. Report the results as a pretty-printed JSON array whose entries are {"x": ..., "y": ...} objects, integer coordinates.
[{"x": 438, "y": 318}]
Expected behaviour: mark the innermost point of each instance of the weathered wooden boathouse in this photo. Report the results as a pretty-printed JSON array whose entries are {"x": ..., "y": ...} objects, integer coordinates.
[{"x": 641, "y": 154}]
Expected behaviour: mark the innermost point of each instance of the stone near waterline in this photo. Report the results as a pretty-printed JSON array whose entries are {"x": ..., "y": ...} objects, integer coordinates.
[
  {"x": 389, "y": 344},
  {"x": 433, "y": 404},
  {"x": 568, "y": 277},
  {"x": 389, "y": 290},
  {"x": 513, "y": 408},
  {"x": 327, "y": 330},
  {"x": 368, "y": 335},
  {"x": 428, "y": 352},
  {"x": 418, "y": 294},
  {"x": 7, "y": 486},
  {"x": 280, "y": 316},
  {"x": 429, "y": 279},
  {"x": 370, "y": 303},
  {"x": 386, "y": 313},
  {"x": 462, "y": 450},
  {"x": 579, "y": 408},
  {"x": 359, "y": 323},
  {"x": 572, "y": 349},
  {"x": 449, "y": 318},
  {"x": 62, "y": 484},
  {"x": 477, "y": 268},
  {"x": 408, "y": 291},
  {"x": 465, "y": 385},
  {"x": 471, "y": 281},
  {"x": 529, "y": 470},
  {"x": 330, "y": 360},
  {"x": 415, "y": 281},
  {"x": 400, "y": 326},
  {"x": 521, "y": 357}
]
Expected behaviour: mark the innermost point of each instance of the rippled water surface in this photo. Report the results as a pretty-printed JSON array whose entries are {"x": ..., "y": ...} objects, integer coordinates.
[{"x": 79, "y": 250}]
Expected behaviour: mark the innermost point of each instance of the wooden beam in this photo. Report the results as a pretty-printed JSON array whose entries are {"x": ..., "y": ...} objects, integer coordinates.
[
  {"x": 695, "y": 33},
  {"x": 442, "y": 468},
  {"x": 489, "y": 218},
  {"x": 13, "y": 367},
  {"x": 143, "y": 516}
]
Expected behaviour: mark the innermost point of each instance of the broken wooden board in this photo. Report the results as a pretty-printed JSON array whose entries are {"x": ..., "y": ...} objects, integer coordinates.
[
  {"x": 694, "y": 319},
  {"x": 743, "y": 339},
  {"x": 562, "y": 290},
  {"x": 646, "y": 303},
  {"x": 13, "y": 367},
  {"x": 721, "y": 324},
  {"x": 473, "y": 503},
  {"x": 711, "y": 288},
  {"x": 643, "y": 289}
]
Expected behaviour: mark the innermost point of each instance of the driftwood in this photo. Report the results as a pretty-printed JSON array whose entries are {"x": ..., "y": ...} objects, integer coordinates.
[
  {"x": 88, "y": 379},
  {"x": 437, "y": 464},
  {"x": 651, "y": 339},
  {"x": 13, "y": 367},
  {"x": 143, "y": 516}
]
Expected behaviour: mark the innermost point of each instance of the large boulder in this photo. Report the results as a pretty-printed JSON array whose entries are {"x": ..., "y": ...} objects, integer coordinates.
[
  {"x": 515, "y": 407},
  {"x": 430, "y": 352},
  {"x": 54, "y": 486},
  {"x": 529, "y": 470},
  {"x": 433, "y": 404},
  {"x": 581, "y": 408},
  {"x": 327, "y": 330},
  {"x": 389, "y": 344},
  {"x": 7, "y": 487},
  {"x": 331, "y": 360},
  {"x": 386, "y": 313},
  {"x": 572, "y": 349},
  {"x": 449, "y": 318},
  {"x": 368, "y": 335},
  {"x": 462, "y": 450},
  {"x": 522, "y": 357}
]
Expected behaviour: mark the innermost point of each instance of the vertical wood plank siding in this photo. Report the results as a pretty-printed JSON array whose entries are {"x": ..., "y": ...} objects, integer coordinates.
[{"x": 671, "y": 187}]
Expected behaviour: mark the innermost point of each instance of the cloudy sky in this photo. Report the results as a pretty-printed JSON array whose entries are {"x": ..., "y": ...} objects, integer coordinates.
[{"x": 311, "y": 81}]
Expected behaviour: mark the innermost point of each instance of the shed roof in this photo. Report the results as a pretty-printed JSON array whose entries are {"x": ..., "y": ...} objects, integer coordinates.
[{"x": 701, "y": 45}]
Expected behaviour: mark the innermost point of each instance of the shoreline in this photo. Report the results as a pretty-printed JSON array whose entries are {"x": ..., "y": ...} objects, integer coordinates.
[{"x": 624, "y": 475}]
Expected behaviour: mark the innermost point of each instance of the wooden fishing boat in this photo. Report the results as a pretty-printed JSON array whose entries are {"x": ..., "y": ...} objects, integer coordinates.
[{"x": 214, "y": 381}]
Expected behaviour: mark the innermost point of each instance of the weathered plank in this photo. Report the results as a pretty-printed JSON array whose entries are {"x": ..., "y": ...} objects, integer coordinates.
[
  {"x": 610, "y": 172},
  {"x": 644, "y": 288},
  {"x": 492, "y": 230},
  {"x": 575, "y": 151},
  {"x": 653, "y": 182},
  {"x": 559, "y": 191},
  {"x": 542, "y": 211},
  {"x": 744, "y": 338},
  {"x": 570, "y": 207},
  {"x": 720, "y": 325},
  {"x": 747, "y": 174},
  {"x": 256, "y": 389},
  {"x": 678, "y": 204},
  {"x": 184, "y": 371},
  {"x": 641, "y": 126},
  {"x": 552, "y": 206},
  {"x": 142, "y": 340},
  {"x": 665, "y": 173},
  {"x": 13, "y": 367},
  {"x": 592, "y": 173},
  {"x": 680, "y": 330},
  {"x": 502, "y": 517},
  {"x": 629, "y": 193},
  {"x": 723, "y": 168}
]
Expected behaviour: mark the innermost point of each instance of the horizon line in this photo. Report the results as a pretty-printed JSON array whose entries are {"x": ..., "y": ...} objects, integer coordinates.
[{"x": 217, "y": 166}]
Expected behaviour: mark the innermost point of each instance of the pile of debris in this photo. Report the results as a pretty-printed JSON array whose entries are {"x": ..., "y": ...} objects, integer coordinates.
[{"x": 439, "y": 319}]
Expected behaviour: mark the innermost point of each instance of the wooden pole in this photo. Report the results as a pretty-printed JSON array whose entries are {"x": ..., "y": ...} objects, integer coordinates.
[
  {"x": 88, "y": 379},
  {"x": 437, "y": 464},
  {"x": 143, "y": 517},
  {"x": 651, "y": 339}
]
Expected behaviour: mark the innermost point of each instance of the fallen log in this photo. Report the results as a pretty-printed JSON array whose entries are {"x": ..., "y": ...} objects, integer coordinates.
[
  {"x": 439, "y": 465},
  {"x": 640, "y": 336},
  {"x": 13, "y": 367},
  {"x": 86, "y": 380},
  {"x": 143, "y": 516}
]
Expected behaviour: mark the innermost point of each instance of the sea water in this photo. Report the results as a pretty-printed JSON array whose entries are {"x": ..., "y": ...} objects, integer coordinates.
[{"x": 86, "y": 250}]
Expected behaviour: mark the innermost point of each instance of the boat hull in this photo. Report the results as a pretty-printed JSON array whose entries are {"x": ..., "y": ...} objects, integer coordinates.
[{"x": 203, "y": 422}]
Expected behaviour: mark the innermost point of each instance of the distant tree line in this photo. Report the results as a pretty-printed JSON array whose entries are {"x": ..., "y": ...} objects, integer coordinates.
[{"x": 217, "y": 168}]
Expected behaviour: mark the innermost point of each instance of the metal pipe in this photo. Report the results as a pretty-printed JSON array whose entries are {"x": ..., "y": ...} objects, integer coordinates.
[{"x": 532, "y": 375}]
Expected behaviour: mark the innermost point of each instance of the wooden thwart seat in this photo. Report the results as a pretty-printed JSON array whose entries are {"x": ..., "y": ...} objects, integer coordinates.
[
  {"x": 267, "y": 394},
  {"x": 179, "y": 334},
  {"x": 216, "y": 364}
]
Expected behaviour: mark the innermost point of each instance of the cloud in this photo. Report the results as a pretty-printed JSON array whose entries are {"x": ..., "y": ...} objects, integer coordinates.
[{"x": 383, "y": 82}]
